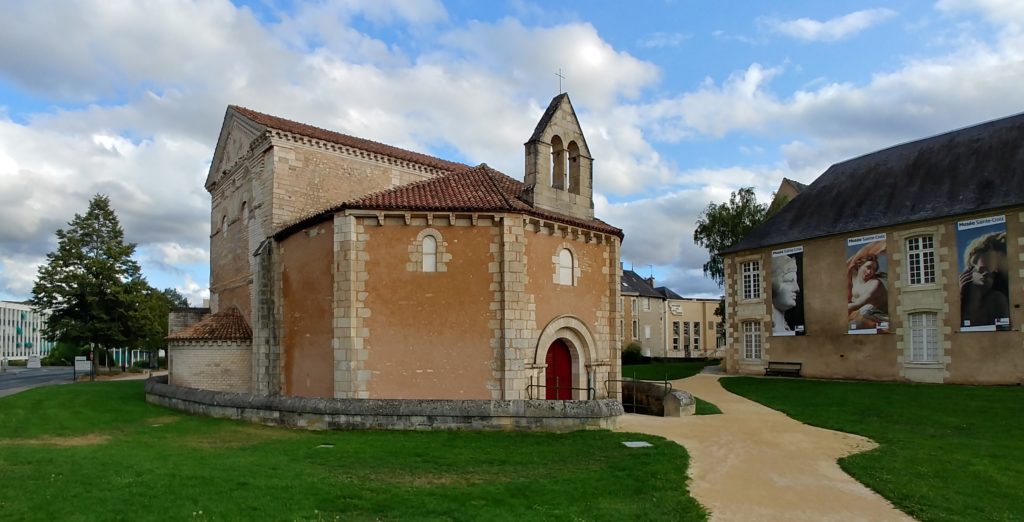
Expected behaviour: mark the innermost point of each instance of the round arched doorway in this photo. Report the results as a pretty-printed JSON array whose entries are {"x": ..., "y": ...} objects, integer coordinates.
[{"x": 558, "y": 374}]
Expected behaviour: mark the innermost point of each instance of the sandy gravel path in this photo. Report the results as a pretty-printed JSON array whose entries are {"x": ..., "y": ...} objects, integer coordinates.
[{"x": 754, "y": 463}]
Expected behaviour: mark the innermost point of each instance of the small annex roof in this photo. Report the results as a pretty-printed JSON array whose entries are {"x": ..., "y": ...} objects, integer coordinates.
[
  {"x": 638, "y": 285},
  {"x": 228, "y": 325},
  {"x": 974, "y": 169},
  {"x": 478, "y": 189},
  {"x": 310, "y": 131}
]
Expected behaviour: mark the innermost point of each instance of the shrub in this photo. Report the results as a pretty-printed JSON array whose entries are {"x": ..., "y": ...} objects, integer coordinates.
[{"x": 633, "y": 354}]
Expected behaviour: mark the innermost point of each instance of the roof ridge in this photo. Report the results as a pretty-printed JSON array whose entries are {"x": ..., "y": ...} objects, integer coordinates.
[
  {"x": 312, "y": 131},
  {"x": 494, "y": 184}
]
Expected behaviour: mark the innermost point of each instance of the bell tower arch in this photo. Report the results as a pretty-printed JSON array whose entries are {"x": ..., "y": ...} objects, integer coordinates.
[{"x": 559, "y": 170}]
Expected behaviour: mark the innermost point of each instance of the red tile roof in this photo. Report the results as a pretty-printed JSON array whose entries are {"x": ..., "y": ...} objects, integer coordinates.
[
  {"x": 228, "y": 325},
  {"x": 479, "y": 189},
  {"x": 310, "y": 131}
]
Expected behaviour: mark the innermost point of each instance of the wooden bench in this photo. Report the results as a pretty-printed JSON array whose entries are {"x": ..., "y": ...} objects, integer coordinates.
[{"x": 790, "y": 368}]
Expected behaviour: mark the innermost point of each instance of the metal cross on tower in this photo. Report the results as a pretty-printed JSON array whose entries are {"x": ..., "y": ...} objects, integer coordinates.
[{"x": 560, "y": 78}]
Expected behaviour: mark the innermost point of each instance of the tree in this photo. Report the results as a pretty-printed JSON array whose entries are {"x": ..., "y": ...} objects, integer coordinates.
[
  {"x": 90, "y": 284},
  {"x": 722, "y": 225},
  {"x": 154, "y": 309}
]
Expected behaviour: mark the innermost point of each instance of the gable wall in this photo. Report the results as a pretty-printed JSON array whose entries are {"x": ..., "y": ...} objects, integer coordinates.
[{"x": 828, "y": 351}]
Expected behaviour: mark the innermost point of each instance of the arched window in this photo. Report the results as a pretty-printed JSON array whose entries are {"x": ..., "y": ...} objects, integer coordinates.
[
  {"x": 565, "y": 267},
  {"x": 224, "y": 225},
  {"x": 429, "y": 254},
  {"x": 558, "y": 161},
  {"x": 245, "y": 213},
  {"x": 573, "y": 158}
]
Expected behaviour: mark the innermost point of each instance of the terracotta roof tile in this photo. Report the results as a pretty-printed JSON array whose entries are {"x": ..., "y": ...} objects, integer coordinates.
[
  {"x": 303, "y": 129},
  {"x": 228, "y": 325},
  {"x": 479, "y": 189}
]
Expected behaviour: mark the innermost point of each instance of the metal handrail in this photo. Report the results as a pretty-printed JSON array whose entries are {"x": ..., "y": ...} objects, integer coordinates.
[
  {"x": 591, "y": 392},
  {"x": 633, "y": 404}
]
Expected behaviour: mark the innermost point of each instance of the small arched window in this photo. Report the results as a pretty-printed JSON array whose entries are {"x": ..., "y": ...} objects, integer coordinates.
[
  {"x": 565, "y": 271},
  {"x": 429, "y": 254},
  {"x": 573, "y": 170},
  {"x": 245, "y": 213},
  {"x": 224, "y": 225}
]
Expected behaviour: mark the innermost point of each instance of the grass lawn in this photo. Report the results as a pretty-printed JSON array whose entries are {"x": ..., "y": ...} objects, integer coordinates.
[
  {"x": 659, "y": 371},
  {"x": 946, "y": 452},
  {"x": 98, "y": 451}
]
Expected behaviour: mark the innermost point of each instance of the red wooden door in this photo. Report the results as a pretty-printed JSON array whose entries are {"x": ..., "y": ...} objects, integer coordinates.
[{"x": 559, "y": 372}]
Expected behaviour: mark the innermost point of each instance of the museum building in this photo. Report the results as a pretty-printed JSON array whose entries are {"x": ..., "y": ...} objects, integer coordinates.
[{"x": 905, "y": 264}]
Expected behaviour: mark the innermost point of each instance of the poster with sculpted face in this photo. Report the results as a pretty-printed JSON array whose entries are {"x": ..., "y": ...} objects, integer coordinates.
[
  {"x": 984, "y": 278},
  {"x": 787, "y": 292},
  {"x": 867, "y": 292}
]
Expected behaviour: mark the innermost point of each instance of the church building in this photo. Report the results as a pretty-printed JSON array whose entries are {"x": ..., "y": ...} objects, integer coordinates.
[{"x": 342, "y": 267}]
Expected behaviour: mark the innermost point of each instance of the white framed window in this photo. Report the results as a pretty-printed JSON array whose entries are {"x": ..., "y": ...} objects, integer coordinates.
[
  {"x": 429, "y": 254},
  {"x": 752, "y": 340},
  {"x": 752, "y": 280},
  {"x": 632, "y": 304},
  {"x": 636, "y": 328},
  {"x": 686, "y": 334},
  {"x": 675, "y": 343},
  {"x": 924, "y": 337},
  {"x": 647, "y": 331},
  {"x": 696, "y": 335},
  {"x": 565, "y": 267},
  {"x": 921, "y": 260},
  {"x": 647, "y": 304}
]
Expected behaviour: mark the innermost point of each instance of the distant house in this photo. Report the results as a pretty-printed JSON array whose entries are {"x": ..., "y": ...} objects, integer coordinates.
[
  {"x": 664, "y": 323},
  {"x": 902, "y": 264}
]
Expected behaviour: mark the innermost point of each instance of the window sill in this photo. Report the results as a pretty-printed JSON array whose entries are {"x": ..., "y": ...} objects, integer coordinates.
[
  {"x": 921, "y": 288},
  {"x": 925, "y": 365}
]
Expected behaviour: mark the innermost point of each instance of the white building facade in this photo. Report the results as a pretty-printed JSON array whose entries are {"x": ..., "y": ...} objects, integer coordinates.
[{"x": 21, "y": 332}]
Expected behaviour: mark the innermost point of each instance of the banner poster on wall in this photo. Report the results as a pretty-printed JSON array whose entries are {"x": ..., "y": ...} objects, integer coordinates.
[
  {"x": 787, "y": 291},
  {"x": 867, "y": 292},
  {"x": 984, "y": 279}
]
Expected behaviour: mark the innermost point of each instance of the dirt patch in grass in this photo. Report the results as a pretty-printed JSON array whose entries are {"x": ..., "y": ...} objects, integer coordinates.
[
  {"x": 162, "y": 420},
  {"x": 239, "y": 437},
  {"x": 93, "y": 439}
]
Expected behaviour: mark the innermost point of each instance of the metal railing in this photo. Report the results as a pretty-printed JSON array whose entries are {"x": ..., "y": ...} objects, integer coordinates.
[{"x": 591, "y": 392}]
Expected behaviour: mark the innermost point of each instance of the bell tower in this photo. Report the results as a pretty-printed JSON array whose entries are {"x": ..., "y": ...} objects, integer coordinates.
[{"x": 559, "y": 170}]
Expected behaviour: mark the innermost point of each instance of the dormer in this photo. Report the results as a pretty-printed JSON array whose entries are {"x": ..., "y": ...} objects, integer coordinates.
[{"x": 559, "y": 170}]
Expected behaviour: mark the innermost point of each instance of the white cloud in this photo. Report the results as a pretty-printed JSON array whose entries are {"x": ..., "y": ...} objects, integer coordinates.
[
  {"x": 18, "y": 274},
  {"x": 174, "y": 254},
  {"x": 832, "y": 30},
  {"x": 658, "y": 40},
  {"x": 194, "y": 292}
]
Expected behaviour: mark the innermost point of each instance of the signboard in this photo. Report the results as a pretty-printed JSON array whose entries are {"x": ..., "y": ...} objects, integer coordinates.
[
  {"x": 787, "y": 291},
  {"x": 33, "y": 362},
  {"x": 984, "y": 275},
  {"x": 82, "y": 364},
  {"x": 867, "y": 293}
]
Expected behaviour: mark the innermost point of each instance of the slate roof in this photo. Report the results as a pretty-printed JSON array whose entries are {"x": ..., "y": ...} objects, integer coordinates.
[
  {"x": 974, "y": 169},
  {"x": 228, "y": 325},
  {"x": 633, "y": 283},
  {"x": 479, "y": 189},
  {"x": 667, "y": 293},
  {"x": 303, "y": 129}
]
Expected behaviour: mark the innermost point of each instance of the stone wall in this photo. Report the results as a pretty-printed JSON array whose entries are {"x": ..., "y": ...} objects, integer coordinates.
[
  {"x": 390, "y": 414},
  {"x": 650, "y": 398},
  {"x": 211, "y": 365}
]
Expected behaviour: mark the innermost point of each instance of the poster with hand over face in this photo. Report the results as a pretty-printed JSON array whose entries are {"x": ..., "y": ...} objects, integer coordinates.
[
  {"x": 787, "y": 292},
  {"x": 867, "y": 290},
  {"x": 984, "y": 277}
]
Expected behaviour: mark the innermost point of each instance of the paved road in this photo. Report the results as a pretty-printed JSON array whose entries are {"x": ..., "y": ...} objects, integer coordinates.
[{"x": 15, "y": 380}]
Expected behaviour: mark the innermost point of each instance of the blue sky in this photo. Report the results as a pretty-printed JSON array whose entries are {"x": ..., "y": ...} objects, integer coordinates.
[{"x": 682, "y": 101}]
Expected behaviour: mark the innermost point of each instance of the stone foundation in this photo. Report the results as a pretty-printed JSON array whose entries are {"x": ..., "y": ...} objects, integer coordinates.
[{"x": 388, "y": 414}]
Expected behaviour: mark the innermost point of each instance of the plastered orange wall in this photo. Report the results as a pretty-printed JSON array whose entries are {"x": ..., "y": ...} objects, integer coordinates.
[
  {"x": 585, "y": 298},
  {"x": 307, "y": 289},
  {"x": 429, "y": 333}
]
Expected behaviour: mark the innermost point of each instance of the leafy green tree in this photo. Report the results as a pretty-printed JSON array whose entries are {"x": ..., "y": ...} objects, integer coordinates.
[
  {"x": 153, "y": 311},
  {"x": 722, "y": 225},
  {"x": 175, "y": 298},
  {"x": 90, "y": 284}
]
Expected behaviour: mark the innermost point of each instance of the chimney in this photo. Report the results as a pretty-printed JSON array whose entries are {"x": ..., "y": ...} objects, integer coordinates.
[{"x": 650, "y": 281}]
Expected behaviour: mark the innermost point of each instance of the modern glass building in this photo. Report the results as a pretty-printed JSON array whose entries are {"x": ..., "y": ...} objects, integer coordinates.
[{"x": 21, "y": 331}]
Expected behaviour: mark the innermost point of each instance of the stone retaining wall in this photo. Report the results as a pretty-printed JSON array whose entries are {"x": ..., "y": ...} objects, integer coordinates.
[
  {"x": 388, "y": 414},
  {"x": 655, "y": 399}
]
